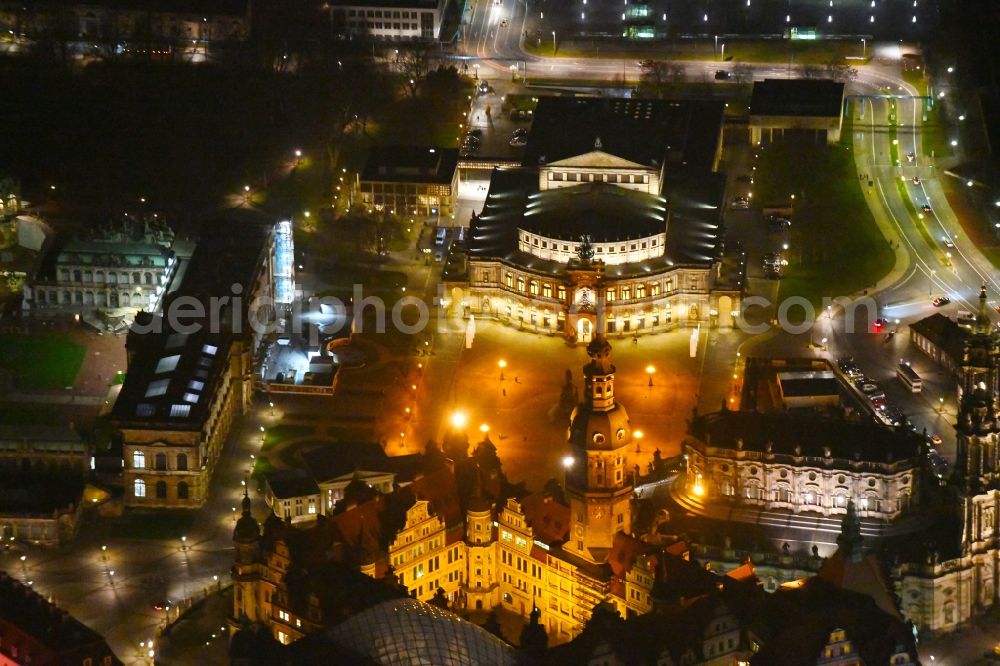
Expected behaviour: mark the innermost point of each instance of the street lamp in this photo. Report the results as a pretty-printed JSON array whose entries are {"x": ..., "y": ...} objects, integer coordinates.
[
  {"x": 246, "y": 194},
  {"x": 484, "y": 428},
  {"x": 553, "y": 42},
  {"x": 501, "y": 364},
  {"x": 567, "y": 463},
  {"x": 184, "y": 545},
  {"x": 863, "y": 48},
  {"x": 459, "y": 420},
  {"x": 649, "y": 371},
  {"x": 698, "y": 488},
  {"x": 638, "y": 434}
]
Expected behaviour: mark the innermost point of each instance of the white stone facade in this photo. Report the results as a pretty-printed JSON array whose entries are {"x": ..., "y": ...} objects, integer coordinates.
[{"x": 803, "y": 484}]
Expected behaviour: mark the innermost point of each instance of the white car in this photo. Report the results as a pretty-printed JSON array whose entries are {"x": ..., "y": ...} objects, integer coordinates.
[{"x": 741, "y": 202}]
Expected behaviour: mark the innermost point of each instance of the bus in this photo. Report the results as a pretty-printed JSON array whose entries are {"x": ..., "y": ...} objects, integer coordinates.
[
  {"x": 441, "y": 234},
  {"x": 908, "y": 377}
]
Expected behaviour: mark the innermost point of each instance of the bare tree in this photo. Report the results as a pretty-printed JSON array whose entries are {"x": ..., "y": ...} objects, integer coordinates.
[
  {"x": 742, "y": 73},
  {"x": 809, "y": 71},
  {"x": 413, "y": 64},
  {"x": 659, "y": 76}
]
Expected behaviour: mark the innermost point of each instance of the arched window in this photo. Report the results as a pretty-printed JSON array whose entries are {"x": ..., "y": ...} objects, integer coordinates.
[
  {"x": 509, "y": 280},
  {"x": 161, "y": 461},
  {"x": 149, "y": 278},
  {"x": 139, "y": 488},
  {"x": 138, "y": 460},
  {"x": 182, "y": 490},
  {"x": 182, "y": 462},
  {"x": 533, "y": 288},
  {"x": 161, "y": 490}
]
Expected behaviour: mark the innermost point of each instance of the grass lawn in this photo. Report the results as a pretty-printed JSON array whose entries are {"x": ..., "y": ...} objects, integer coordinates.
[
  {"x": 280, "y": 433},
  {"x": 835, "y": 246},
  {"x": 41, "y": 361},
  {"x": 934, "y": 135},
  {"x": 161, "y": 524}
]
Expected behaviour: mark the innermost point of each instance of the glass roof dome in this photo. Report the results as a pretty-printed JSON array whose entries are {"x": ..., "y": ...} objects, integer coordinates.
[{"x": 407, "y": 632}]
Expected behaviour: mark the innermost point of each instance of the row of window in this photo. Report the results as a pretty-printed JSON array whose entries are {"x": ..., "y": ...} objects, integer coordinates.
[
  {"x": 378, "y": 25},
  {"x": 626, "y": 178},
  {"x": 160, "y": 489},
  {"x": 637, "y": 291},
  {"x": 115, "y": 299},
  {"x": 378, "y": 13},
  {"x": 544, "y": 244},
  {"x": 160, "y": 461},
  {"x": 87, "y": 277}
]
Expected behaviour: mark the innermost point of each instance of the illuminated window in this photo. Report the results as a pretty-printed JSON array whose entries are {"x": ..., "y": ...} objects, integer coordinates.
[
  {"x": 520, "y": 284},
  {"x": 509, "y": 281},
  {"x": 139, "y": 488},
  {"x": 561, "y": 293},
  {"x": 547, "y": 290},
  {"x": 640, "y": 291},
  {"x": 533, "y": 288},
  {"x": 654, "y": 289},
  {"x": 610, "y": 295},
  {"x": 626, "y": 293},
  {"x": 138, "y": 460}
]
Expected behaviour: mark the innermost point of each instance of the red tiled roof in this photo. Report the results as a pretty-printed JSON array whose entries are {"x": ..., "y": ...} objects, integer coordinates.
[{"x": 549, "y": 520}]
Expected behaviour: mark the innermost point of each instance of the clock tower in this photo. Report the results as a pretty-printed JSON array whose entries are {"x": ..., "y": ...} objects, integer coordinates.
[{"x": 598, "y": 485}]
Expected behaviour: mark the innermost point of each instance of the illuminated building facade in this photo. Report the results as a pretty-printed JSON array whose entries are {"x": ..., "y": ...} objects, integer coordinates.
[
  {"x": 410, "y": 180},
  {"x": 617, "y": 211},
  {"x": 803, "y": 464},
  {"x": 183, "y": 388},
  {"x": 117, "y": 269},
  {"x": 530, "y": 552}
]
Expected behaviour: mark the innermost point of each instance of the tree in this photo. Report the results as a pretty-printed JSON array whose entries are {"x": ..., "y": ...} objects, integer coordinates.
[
  {"x": 414, "y": 64},
  {"x": 659, "y": 76},
  {"x": 841, "y": 72},
  {"x": 742, "y": 73}
]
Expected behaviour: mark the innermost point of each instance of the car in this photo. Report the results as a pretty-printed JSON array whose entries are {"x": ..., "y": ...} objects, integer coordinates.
[
  {"x": 916, "y": 180},
  {"x": 723, "y": 75},
  {"x": 504, "y": 23},
  {"x": 926, "y": 208},
  {"x": 879, "y": 324},
  {"x": 476, "y": 132},
  {"x": 484, "y": 87},
  {"x": 910, "y": 156},
  {"x": 647, "y": 63},
  {"x": 518, "y": 141},
  {"x": 520, "y": 131},
  {"x": 935, "y": 440},
  {"x": 741, "y": 202},
  {"x": 941, "y": 301},
  {"x": 438, "y": 256},
  {"x": 162, "y": 604},
  {"x": 948, "y": 242}
]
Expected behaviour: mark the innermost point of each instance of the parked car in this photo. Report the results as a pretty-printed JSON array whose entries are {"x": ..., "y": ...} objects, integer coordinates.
[
  {"x": 518, "y": 141},
  {"x": 941, "y": 301},
  {"x": 723, "y": 75},
  {"x": 741, "y": 202}
]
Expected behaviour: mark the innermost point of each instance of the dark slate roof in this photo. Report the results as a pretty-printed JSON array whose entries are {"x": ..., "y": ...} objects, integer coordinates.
[
  {"x": 797, "y": 97},
  {"x": 795, "y": 387},
  {"x": 693, "y": 233},
  {"x": 845, "y": 438},
  {"x": 603, "y": 211},
  {"x": 171, "y": 374},
  {"x": 801, "y": 621},
  {"x": 410, "y": 164},
  {"x": 285, "y": 484},
  {"x": 28, "y": 612},
  {"x": 645, "y": 131},
  {"x": 944, "y": 334}
]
